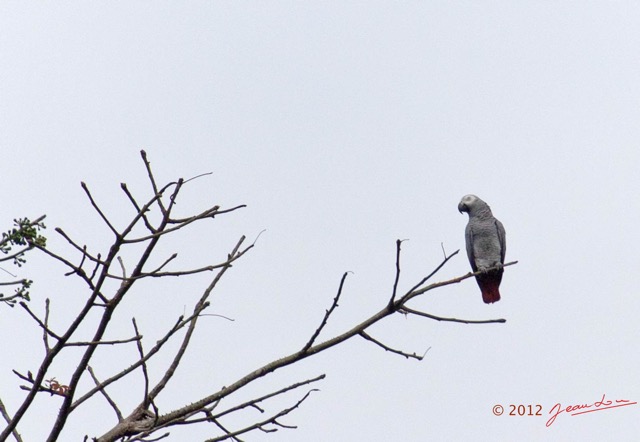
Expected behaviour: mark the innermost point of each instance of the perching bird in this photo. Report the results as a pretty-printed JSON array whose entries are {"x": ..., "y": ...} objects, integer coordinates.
[{"x": 486, "y": 245}]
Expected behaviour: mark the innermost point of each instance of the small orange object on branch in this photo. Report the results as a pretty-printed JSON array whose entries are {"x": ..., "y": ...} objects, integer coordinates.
[{"x": 56, "y": 387}]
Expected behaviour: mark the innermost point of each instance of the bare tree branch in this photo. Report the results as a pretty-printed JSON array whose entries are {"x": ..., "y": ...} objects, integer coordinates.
[
  {"x": 253, "y": 402},
  {"x": 95, "y": 206},
  {"x": 426, "y": 278},
  {"x": 313, "y": 349},
  {"x": 75, "y": 269},
  {"x": 226, "y": 431},
  {"x": 103, "y": 342},
  {"x": 209, "y": 213},
  {"x": 439, "y": 318},
  {"x": 397, "y": 279},
  {"x": 197, "y": 176},
  {"x": 122, "y": 268},
  {"x": 100, "y": 273},
  {"x": 415, "y": 292},
  {"x": 157, "y": 274},
  {"x": 15, "y": 255},
  {"x": 104, "y": 393},
  {"x": 45, "y": 329},
  {"x": 144, "y": 365},
  {"x": 326, "y": 316},
  {"x": 8, "y": 419},
  {"x": 82, "y": 249},
  {"x": 199, "y": 307},
  {"x": 273, "y": 420},
  {"x": 154, "y": 186},
  {"x": 40, "y": 323},
  {"x": 180, "y": 323},
  {"x": 142, "y": 212},
  {"x": 386, "y": 348}
]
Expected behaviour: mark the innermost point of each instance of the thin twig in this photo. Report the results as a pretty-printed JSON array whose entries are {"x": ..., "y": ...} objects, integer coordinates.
[
  {"x": 197, "y": 176},
  {"x": 97, "y": 208},
  {"x": 122, "y": 267},
  {"x": 105, "y": 394},
  {"x": 209, "y": 213},
  {"x": 82, "y": 250},
  {"x": 252, "y": 402},
  {"x": 145, "y": 374},
  {"x": 387, "y": 348},
  {"x": 216, "y": 315},
  {"x": 156, "y": 199},
  {"x": 75, "y": 269},
  {"x": 118, "y": 341},
  {"x": 462, "y": 321},
  {"x": 326, "y": 316},
  {"x": 259, "y": 425},
  {"x": 140, "y": 211},
  {"x": 227, "y": 432},
  {"x": 147, "y": 165},
  {"x": 414, "y": 292},
  {"x": 34, "y": 385},
  {"x": 7, "y": 418},
  {"x": 17, "y": 254},
  {"x": 93, "y": 274},
  {"x": 173, "y": 198},
  {"x": 7, "y": 271},
  {"x": 426, "y": 278},
  {"x": 397, "y": 278},
  {"x": 40, "y": 323},
  {"x": 156, "y": 272},
  {"x": 45, "y": 335}
]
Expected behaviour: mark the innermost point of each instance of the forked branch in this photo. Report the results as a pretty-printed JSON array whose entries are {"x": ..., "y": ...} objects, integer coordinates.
[{"x": 310, "y": 348}]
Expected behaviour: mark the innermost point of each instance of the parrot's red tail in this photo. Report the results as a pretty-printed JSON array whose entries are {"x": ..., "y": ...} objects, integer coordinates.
[{"x": 489, "y": 286}]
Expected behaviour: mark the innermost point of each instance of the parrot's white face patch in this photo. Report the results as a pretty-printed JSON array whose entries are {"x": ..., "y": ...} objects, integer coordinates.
[{"x": 469, "y": 199}]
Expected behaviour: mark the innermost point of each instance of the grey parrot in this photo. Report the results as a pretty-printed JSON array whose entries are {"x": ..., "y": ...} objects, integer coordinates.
[{"x": 486, "y": 245}]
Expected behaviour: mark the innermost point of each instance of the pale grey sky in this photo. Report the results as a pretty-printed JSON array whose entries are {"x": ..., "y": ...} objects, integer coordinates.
[{"x": 345, "y": 126}]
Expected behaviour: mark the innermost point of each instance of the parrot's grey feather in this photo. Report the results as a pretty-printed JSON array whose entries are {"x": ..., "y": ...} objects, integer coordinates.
[
  {"x": 468, "y": 236},
  {"x": 502, "y": 237},
  {"x": 485, "y": 239}
]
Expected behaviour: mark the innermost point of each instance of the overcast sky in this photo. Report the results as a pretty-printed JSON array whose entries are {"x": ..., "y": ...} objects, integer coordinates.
[{"x": 345, "y": 126}]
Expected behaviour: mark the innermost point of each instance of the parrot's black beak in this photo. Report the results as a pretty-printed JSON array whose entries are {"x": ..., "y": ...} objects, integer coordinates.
[{"x": 462, "y": 208}]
